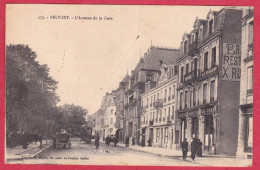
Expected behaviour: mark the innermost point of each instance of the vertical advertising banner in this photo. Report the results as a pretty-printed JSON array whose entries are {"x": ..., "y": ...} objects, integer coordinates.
[{"x": 231, "y": 62}]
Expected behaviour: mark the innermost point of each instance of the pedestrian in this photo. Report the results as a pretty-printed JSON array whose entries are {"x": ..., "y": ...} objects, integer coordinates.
[
  {"x": 97, "y": 141},
  {"x": 149, "y": 142},
  {"x": 133, "y": 141},
  {"x": 107, "y": 140},
  {"x": 199, "y": 148},
  {"x": 24, "y": 140},
  {"x": 193, "y": 148},
  {"x": 184, "y": 146},
  {"x": 143, "y": 141},
  {"x": 115, "y": 140},
  {"x": 127, "y": 141}
]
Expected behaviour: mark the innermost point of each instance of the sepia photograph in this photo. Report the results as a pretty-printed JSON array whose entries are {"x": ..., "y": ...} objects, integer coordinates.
[{"x": 129, "y": 85}]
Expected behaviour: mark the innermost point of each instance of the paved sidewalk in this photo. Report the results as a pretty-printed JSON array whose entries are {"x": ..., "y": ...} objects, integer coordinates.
[
  {"x": 18, "y": 153},
  {"x": 206, "y": 160}
]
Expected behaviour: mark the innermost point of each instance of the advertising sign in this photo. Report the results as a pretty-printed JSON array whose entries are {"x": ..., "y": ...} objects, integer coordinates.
[{"x": 231, "y": 62}]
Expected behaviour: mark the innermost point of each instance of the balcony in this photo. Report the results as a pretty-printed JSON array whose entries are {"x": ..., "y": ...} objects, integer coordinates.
[
  {"x": 208, "y": 72},
  {"x": 191, "y": 77},
  {"x": 158, "y": 103}
]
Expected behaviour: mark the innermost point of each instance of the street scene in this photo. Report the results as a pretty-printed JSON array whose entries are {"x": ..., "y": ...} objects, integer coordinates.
[{"x": 84, "y": 89}]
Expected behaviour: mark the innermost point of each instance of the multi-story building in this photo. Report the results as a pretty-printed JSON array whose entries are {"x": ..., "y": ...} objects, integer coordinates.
[
  {"x": 209, "y": 82},
  {"x": 158, "y": 108},
  {"x": 99, "y": 122},
  {"x": 120, "y": 95},
  {"x": 144, "y": 71},
  {"x": 109, "y": 108},
  {"x": 245, "y": 136}
]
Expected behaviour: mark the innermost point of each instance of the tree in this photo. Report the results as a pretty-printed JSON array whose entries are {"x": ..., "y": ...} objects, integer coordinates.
[
  {"x": 74, "y": 117},
  {"x": 30, "y": 90}
]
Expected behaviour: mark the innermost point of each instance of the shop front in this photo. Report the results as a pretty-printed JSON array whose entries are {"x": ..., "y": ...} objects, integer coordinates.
[{"x": 208, "y": 124}]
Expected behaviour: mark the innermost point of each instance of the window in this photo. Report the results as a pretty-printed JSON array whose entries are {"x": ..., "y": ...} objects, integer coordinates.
[
  {"x": 111, "y": 111},
  {"x": 206, "y": 61},
  {"x": 169, "y": 113},
  {"x": 186, "y": 99},
  {"x": 213, "y": 60},
  {"x": 170, "y": 91},
  {"x": 165, "y": 95},
  {"x": 196, "y": 36},
  {"x": 175, "y": 70},
  {"x": 210, "y": 26},
  {"x": 185, "y": 46},
  {"x": 148, "y": 77},
  {"x": 187, "y": 68},
  {"x": 212, "y": 90},
  {"x": 181, "y": 100},
  {"x": 201, "y": 34},
  {"x": 182, "y": 70},
  {"x": 172, "y": 117},
  {"x": 250, "y": 80},
  {"x": 166, "y": 135},
  {"x": 251, "y": 32},
  {"x": 249, "y": 132},
  {"x": 194, "y": 96},
  {"x": 157, "y": 135},
  {"x": 190, "y": 98},
  {"x": 173, "y": 92},
  {"x": 204, "y": 93},
  {"x": 147, "y": 102}
]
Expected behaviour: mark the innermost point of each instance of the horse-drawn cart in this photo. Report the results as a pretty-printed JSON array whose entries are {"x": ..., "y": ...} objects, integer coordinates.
[{"x": 61, "y": 140}]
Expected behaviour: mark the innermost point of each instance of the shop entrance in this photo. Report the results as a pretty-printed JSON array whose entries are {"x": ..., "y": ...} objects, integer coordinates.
[
  {"x": 195, "y": 127},
  {"x": 208, "y": 132},
  {"x": 183, "y": 129}
]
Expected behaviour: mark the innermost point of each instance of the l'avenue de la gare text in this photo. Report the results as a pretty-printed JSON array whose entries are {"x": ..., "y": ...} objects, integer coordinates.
[{"x": 67, "y": 17}]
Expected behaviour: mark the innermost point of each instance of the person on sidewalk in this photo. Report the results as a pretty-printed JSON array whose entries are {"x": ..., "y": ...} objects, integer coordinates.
[
  {"x": 24, "y": 140},
  {"x": 184, "y": 146},
  {"x": 115, "y": 140},
  {"x": 127, "y": 141},
  {"x": 193, "y": 148},
  {"x": 199, "y": 148},
  {"x": 149, "y": 142},
  {"x": 133, "y": 141},
  {"x": 97, "y": 141},
  {"x": 107, "y": 140},
  {"x": 143, "y": 141}
]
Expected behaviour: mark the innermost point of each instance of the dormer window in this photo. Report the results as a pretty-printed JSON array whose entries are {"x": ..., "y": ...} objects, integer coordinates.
[
  {"x": 196, "y": 36},
  {"x": 185, "y": 46},
  {"x": 211, "y": 26},
  {"x": 149, "y": 77},
  {"x": 201, "y": 33}
]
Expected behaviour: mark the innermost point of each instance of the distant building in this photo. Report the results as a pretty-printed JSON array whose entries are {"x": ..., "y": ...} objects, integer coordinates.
[
  {"x": 209, "y": 82},
  {"x": 109, "y": 108},
  {"x": 245, "y": 136},
  {"x": 99, "y": 122},
  {"x": 120, "y": 118},
  {"x": 145, "y": 71},
  {"x": 158, "y": 108}
]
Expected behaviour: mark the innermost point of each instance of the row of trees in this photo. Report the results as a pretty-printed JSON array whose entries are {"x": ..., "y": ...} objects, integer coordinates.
[{"x": 31, "y": 97}]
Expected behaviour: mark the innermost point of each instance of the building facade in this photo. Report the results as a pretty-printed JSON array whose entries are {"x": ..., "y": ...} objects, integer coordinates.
[
  {"x": 158, "y": 109},
  {"x": 209, "y": 82},
  {"x": 120, "y": 96},
  {"x": 245, "y": 136},
  {"x": 145, "y": 71}
]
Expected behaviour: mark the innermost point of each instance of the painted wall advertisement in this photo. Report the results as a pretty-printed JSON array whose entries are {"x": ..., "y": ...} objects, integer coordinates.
[{"x": 231, "y": 62}]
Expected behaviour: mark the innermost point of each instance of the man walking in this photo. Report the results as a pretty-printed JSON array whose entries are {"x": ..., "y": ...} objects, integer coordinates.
[
  {"x": 193, "y": 148},
  {"x": 184, "y": 147},
  {"x": 97, "y": 141}
]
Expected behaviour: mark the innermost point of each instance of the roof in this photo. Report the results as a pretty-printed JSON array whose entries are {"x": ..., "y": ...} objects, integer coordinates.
[
  {"x": 151, "y": 59},
  {"x": 125, "y": 79}
]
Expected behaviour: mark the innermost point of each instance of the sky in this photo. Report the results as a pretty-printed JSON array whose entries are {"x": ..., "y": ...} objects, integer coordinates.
[{"x": 90, "y": 57}]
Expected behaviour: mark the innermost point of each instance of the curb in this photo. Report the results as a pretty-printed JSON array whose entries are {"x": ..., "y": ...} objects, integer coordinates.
[{"x": 28, "y": 157}]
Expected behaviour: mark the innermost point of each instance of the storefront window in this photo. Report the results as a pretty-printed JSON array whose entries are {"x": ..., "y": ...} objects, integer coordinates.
[
  {"x": 250, "y": 80},
  {"x": 157, "y": 135},
  {"x": 166, "y": 135},
  {"x": 249, "y": 133},
  {"x": 212, "y": 90},
  {"x": 204, "y": 93},
  {"x": 208, "y": 132},
  {"x": 194, "y": 127}
]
